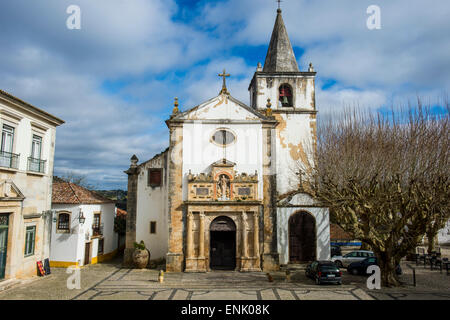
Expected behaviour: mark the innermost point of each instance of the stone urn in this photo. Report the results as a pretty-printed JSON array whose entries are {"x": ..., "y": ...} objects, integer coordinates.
[{"x": 141, "y": 256}]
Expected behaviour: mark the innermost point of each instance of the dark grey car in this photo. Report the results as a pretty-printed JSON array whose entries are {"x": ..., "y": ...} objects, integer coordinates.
[{"x": 324, "y": 272}]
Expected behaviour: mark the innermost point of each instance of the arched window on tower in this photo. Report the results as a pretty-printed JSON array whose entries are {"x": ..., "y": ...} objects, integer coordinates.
[{"x": 285, "y": 98}]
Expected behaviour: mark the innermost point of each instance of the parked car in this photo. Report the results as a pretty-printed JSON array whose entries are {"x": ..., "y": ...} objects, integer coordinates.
[
  {"x": 336, "y": 251},
  {"x": 324, "y": 272},
  {"x": 360, "y": 267},
  {"x": 358, "y": 255}
]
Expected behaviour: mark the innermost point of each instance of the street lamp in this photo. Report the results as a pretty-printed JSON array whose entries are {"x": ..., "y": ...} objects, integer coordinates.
[{"x": 81, "y": 218}]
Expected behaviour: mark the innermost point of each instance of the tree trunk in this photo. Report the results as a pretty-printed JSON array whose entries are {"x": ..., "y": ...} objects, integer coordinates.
[
  {"x": 431, "y": 236},
  {"x": 387, "y": 265}
]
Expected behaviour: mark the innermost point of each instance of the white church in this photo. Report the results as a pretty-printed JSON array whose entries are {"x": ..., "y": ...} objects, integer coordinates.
[{"x": 225, "y": 194}]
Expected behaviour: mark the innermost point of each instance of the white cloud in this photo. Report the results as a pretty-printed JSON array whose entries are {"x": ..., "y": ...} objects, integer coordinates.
[{"x": 159, "y": 57}]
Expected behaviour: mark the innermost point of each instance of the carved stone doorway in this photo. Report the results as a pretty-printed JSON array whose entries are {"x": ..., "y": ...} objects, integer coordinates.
[{"x": 222, "y": 244}]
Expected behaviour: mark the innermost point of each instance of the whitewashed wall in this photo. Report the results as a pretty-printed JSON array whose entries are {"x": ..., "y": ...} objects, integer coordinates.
[
  {"x": 69, "y": 247},
  {"x": 152, "y": 206},
  {"x": 199, "y": 152}
]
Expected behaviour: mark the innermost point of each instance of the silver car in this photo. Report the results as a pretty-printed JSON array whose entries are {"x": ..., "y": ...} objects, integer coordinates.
[{"x": 345, "y": 260}]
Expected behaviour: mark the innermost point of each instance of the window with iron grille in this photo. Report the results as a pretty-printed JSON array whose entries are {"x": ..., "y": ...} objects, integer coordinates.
[
  {"x": 154, "y": 177},
  {"x": 101, "y": 244},
  {"x": 30, "y": 237},
  {"x": 63, "y": 222},
  {"x": 152, "y": 226},
  {"x": 96, "y": 224}
]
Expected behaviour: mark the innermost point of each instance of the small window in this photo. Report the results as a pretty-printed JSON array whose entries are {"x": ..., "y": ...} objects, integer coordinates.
[
  {"x": 63, "y": 222},
  {"x": 154, "y": 177},
  {"x": 30, "y": 237},
  {"x": 96, "y": 224},
  {"x": 285, "y": 97},
  {"x": 153, "y": 227}
]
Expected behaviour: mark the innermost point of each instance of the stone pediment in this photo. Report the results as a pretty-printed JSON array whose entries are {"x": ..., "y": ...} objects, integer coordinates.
[
  {"x": 297, "y": 199},
  {"x": 9, "y": 191},
  {"x": 221, "y": 108}
]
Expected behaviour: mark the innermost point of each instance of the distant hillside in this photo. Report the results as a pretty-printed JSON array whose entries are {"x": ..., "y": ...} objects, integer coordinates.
[{"x": 120, "y": 196}]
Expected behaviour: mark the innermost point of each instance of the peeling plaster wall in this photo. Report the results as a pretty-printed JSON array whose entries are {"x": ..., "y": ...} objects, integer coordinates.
[
  {"x": 294, "y": 149},
  {"x": 322, "y": 231},
  {"x": 152, "y": 206}
]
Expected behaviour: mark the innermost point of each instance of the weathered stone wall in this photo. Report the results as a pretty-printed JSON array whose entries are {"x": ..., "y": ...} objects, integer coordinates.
[{"x": 175, "y": 256}]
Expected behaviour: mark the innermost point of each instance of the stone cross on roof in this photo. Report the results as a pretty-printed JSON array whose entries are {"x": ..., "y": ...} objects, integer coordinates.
[{"x": 224, "y": 85}]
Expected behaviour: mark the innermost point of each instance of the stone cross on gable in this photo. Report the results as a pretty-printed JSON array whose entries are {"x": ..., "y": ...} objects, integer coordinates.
[{"x": 224, "y": 85}]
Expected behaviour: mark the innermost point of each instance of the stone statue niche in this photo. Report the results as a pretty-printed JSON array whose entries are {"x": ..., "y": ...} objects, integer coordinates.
[{"x": 223, "y": 188}]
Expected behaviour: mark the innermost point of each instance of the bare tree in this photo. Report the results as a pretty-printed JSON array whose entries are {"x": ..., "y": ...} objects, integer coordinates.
[
  {"x": 78, "y": 179},
  {"x": 385, "y": 179}
]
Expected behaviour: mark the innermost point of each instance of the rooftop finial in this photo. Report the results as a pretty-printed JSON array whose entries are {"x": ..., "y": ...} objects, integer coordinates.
[
  {"x": 269, "y": 108},
  {"x": 224, "y": 85},
  {"x": 175, "y": 108}
]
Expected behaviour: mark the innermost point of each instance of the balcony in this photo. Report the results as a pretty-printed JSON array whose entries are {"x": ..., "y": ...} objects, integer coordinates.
[
  {"x": 36, "y": 165},
  {"x": 97, "y": 231},
  {"x": 9, "y": 160}
]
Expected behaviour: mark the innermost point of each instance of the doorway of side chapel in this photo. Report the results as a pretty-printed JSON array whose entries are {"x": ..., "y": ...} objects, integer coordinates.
[{"x": 302, "y": 237}]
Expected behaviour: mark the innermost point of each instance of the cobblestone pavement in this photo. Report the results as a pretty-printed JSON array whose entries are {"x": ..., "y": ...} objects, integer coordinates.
[{"x": 111, "y": 281}]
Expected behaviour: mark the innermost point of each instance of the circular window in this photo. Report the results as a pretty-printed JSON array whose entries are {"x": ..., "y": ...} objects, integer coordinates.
[{"x": 223, "y": 137}]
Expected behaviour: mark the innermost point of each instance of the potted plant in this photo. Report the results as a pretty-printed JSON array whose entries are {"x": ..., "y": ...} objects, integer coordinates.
[{"x": 141, "y": 255}]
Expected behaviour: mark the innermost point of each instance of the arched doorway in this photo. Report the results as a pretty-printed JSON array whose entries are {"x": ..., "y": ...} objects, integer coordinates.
[
  {"x": 222, "y": 244},
  {"x": 302, "y": 237}
]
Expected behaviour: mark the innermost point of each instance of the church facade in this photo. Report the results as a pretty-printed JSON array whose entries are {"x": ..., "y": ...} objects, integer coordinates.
[{"x": 225, "y": 193}]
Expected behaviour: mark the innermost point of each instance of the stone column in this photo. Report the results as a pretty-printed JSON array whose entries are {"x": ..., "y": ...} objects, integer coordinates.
[
  {"x": 201, "y": 236},
  {"x": 255, "y": 234},
  {"x": 270, "y": 255},
  {"x": 130, "y": 235},
  {"x": 190, "y": 236},
  {"x": 244, "y": 235}
]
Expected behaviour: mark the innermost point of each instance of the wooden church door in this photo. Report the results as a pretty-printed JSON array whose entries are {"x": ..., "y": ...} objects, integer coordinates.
[{"x": 302, "y": 237}]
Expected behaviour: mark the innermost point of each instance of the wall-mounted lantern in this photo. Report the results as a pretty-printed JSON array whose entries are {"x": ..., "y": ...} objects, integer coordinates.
[{"x": 81, "y": 218}]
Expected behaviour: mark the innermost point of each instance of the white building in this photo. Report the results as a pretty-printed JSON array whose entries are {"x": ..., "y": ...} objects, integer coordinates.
[
  {"x": 225, "y": 194},
  {"x": 443, "y": 235},
  {"x": 82, "y": 226},
  {"x": 27, "y": 149}
]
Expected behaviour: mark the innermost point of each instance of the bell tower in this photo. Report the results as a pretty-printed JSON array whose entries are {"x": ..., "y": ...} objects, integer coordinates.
[
  {"x": 280, "y": 80},
  {"x": 292, "y": 97}
]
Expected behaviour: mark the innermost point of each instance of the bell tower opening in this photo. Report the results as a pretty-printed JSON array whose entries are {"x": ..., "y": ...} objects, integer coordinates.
[{"x": 285, "y": 96}]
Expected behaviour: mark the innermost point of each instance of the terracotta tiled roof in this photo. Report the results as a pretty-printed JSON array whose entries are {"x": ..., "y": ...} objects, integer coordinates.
[
  {"x": 337, "y": 233},
  {"x": 121, "y": 212},
  {"x": 70, "y": 193}
]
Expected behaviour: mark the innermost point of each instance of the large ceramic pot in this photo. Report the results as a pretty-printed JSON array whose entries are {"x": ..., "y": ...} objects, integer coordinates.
[{"x": 141, "y": 258}]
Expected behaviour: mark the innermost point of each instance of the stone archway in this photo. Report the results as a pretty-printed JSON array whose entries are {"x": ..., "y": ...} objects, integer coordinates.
[
  {"x": 302, "y": 237},
  {"x": 222, "y": 244}
]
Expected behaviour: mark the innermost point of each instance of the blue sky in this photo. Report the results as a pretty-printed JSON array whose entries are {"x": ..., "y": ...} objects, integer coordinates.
[{"x": 114, "y": 81}]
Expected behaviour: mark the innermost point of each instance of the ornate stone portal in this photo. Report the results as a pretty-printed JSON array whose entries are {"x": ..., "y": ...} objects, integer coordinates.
[{"x": 222, "y": 220}]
